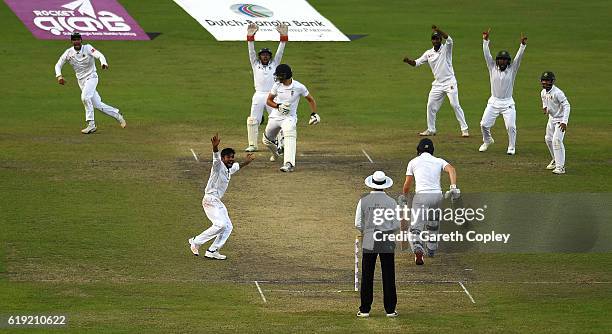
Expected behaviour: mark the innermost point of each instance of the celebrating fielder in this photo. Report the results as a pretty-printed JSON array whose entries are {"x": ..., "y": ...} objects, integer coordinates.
[
  {"x": 440, "y": 59},
  {"x": 82, "y": 58},
  {"x": 263, "y": 68},
  {"x": 502, "y": 73},
  {"x": 557, "y": 107},
  {"x": 284, "y": 98},
  {"x": 220, "y": 174}
]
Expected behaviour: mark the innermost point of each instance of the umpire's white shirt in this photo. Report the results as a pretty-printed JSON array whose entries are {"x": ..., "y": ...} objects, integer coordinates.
[
  {"x": 288, "y": 94},
  {"x": 557, "y": 105},
  {"x": 83, "y": 61},
  {"x": 426, "y": 170},
  {"x": 502, "y": 82},
  {"x": 219, "y": 177},
  {"x": 263, "y": 75},
  {"x": 441, "y": 63}
]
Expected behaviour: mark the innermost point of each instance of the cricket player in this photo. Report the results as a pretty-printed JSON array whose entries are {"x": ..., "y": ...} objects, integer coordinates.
[
  {"x": 263, "y": 67},
  {"x": 424, "y": 172},
  {"x": 371, "y": 230},
  {"x": 284, "y": 99},
  {"x": 82, "y": 58},
  {"x": 440, "y": 59},
  {"x": 502, "y": 73},
  {"x": 557, "y": 107},
  {"x": 222, "y": 169}
]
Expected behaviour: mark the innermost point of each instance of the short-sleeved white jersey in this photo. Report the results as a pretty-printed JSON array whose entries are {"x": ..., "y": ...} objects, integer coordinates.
[
  {"x": 426, "y": 170},
  {"x": 83, "y": 61},
  {"x": 288, "y": 94}
]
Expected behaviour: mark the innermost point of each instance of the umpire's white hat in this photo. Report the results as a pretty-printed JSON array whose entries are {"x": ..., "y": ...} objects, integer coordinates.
[{"x": 378, "y": 180}]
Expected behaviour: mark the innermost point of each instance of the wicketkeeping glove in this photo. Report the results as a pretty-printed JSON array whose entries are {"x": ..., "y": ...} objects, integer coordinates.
[
  {"x": 282, "y": 29},
  {"x": 314, "y": 119},
  {"x": 252, "y": 29},
  {"x": 284, "y": 108}
]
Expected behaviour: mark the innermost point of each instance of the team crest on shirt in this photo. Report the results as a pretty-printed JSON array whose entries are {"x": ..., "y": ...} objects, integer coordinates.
[{"x": 292, "y": 91}]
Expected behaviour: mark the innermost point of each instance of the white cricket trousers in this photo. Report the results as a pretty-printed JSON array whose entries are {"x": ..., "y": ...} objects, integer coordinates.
[
  {"x": 91, "y": 99},
  {"x": 435, "y": 100},
  {"x": 554, "y": 141},
  {"x": 221, "y": 224},
  {"x": 258, "y": 105},
  {"x": 288, "y": 126},
  {"x": 425, "y": 216},
  {"x": 492, "y": 111}
]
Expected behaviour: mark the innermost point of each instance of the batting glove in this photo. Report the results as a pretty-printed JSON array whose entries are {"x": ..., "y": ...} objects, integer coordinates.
[
  {"x": 454, "y": 192},
  {"x": 284, "y": 108},
  {"x": 402, "y": 200},
  {"x": 314, "y": 119}
]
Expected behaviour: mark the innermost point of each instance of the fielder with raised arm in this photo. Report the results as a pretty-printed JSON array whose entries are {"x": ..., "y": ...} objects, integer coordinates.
[
  {"x": 557, "y": 107},
  {"x": 223, "y": 167},
  {"x": 263, "y": 67},
  {"x": 502, "y": 73},
  {"x": 82, "y": 58},
  {"x": 284, "y": 98},
  {"x": 440, "y": 59}
]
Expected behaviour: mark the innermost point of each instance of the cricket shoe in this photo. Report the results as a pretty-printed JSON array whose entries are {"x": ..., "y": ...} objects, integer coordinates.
[
  {"x": 287, "y": 167},
  {"x": 511, "y": 151},
  {"x": 431, "y": 253},
  {"x": 465, "y": 133},
  {"x": 551, "y": 165},
  {"x": 427, "y": 133},
  {"x": 363, "y": 314},
  {"x": 121, "y": 120},
  {"x": 251, "y": 148},
  {"x": 392, "y": 315},
  {"x": 485, "y": 146},
  {"x": 214, "y": 255},
  {"x": 418, "y": 258},
  {"x": 559, "y": 170},
  {"x": 193, "y": 247},
  {"x": 89, "y": 129}
]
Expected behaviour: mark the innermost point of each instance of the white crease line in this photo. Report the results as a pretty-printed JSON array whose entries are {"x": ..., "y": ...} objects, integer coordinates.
[
  {"x": 467, "y": 292},
  {"x": 260, "y": 292},
  {"x": 340, "y": 291},
  {"x": 367, "y": 156},
  {"x": 195, "y": 156}
]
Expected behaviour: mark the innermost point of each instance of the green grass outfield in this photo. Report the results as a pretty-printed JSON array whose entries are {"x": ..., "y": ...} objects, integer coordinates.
[{"x": 95, "y": 227}]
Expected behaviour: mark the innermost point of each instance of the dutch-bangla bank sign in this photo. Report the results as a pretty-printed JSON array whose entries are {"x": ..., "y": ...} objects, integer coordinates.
[
  {"x": 227, "y": 20},
  {"x": 94, "y": 19}
]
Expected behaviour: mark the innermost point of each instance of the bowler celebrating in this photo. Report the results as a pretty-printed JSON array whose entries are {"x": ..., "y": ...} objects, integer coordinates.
[
  {"x": 220, "y": 173},
  {"x": 82, "y": 58}
]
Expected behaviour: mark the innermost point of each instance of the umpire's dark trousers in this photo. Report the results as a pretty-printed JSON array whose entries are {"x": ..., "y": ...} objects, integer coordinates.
[{"x": 387, "y": 264}]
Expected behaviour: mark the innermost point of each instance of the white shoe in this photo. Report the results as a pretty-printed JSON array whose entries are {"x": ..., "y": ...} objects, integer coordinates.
[
  {"x": 465, "y": 133},
  {"x": 559, "y": 170},
  {"x": 251, "y": 148},
  {"x": 121, "y": 121},
  {"x": 551, "y": 165},
  {"x": 287, "y": 167},
  {"x": 392, "y": 315},
  {"x": 363, "y": 315},
  {"x": 511, "y": 151},
  {"x": 427, "y": 133},
  {"x": 193, "y": 247},
  {"x": 89, "y": 129},
  {"x": 214, "y": 255},
  {"x": 485, "y": 146}
]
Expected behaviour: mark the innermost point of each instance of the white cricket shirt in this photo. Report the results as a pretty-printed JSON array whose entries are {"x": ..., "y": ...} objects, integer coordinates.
[
  {"x": 220, "y": 176},
  {"x": 441, "y": 63},
  {"x": 426, "y": 170},
  {"x": 82, "y": 61},
  {"x": 502, "y": 82},
  {"x": 556, "y": 103},
  {"x": 263, "y": 75},
  {"x": 288, "y": 94}
]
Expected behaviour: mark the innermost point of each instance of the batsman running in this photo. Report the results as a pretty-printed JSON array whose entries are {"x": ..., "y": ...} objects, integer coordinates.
[
  {"x": 83, "y": 61},
  {"x": 284, "y": 98},
  {"x": 502, "y": 73},
  {"x": 263, "y": 67},
  {"x": 223, "y": 167}
]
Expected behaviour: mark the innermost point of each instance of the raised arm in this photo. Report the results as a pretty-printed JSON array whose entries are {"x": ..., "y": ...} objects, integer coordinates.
[
  {"x": 520, "y": 52},
  {"x": 485, "y": 49},
  {"x": 251, "y": 30},
  {"x": 283, "y": 30},
  {"x": 437, "y": 29},
  {"x": 247, "y": 159},
  {"x": 58, "y": 68}
]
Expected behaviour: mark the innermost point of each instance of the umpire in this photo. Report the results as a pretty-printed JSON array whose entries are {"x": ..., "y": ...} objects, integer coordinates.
[{"x": 373, "y": 244}]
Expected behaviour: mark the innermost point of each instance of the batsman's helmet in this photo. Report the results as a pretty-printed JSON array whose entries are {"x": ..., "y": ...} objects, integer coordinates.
[
  {"x": 425, "y": 145},
  {"x": 282, "y": 72},
  {"x": 74, "y": 36},
  {"x": 503, "y": 54},
  {"x": 264, "y": 50},
  {"x": 548, "y": 76}
]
